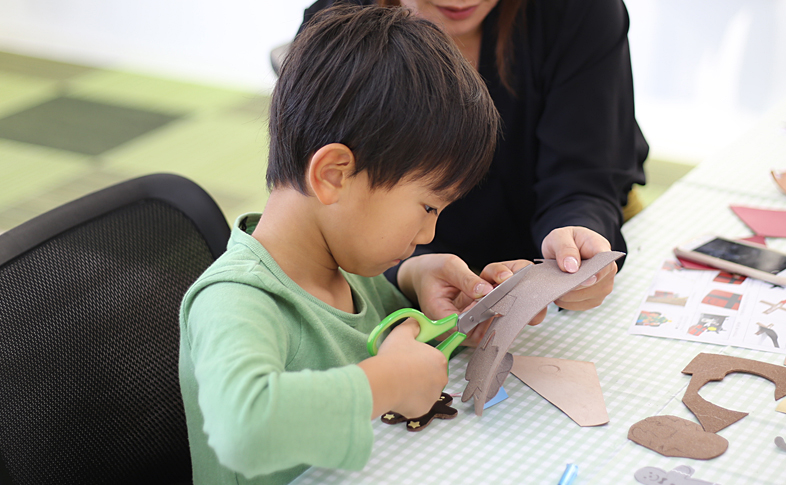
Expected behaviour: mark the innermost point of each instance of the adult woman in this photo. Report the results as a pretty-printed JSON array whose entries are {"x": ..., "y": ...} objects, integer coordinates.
[{"x": 559, "y": 73}]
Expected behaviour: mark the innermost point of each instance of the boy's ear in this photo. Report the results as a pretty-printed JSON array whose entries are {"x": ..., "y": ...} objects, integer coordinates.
[{"x": 328, "y": 171}]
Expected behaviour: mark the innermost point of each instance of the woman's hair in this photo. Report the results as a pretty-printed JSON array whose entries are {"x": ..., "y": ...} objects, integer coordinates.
[
  {"x": 511, "y": 13},
  {"x": 390, "y": 86}
]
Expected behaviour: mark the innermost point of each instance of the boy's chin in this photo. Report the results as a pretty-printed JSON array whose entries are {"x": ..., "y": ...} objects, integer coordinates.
[{"x": 370, "y": 272}]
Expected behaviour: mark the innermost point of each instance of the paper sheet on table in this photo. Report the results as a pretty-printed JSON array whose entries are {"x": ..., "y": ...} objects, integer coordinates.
[
  {"x": 763, "y": 222},
  {"x": 713, "y": 307}
]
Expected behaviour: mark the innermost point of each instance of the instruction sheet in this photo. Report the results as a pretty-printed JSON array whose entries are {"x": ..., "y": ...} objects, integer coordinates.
[{"x": 713, "y": 307}]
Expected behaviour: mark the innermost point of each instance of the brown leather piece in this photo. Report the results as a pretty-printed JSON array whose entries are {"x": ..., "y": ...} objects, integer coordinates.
[
  {"x": 674, "y": 436},
  {"x": 441, "y": 409},
  {"x": 542, "y": 284},
  {"x": 714, "y": 367}
]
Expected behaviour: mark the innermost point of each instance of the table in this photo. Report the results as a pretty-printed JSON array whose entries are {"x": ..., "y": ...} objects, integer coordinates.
[{"x": 526, "y": 440}]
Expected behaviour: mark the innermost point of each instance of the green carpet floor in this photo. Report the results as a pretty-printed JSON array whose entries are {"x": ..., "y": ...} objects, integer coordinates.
[{"x": 67, "y": 130}]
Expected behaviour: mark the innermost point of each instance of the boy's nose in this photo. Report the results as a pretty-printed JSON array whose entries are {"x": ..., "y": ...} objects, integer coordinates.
[{"x": 426, "y": 234}]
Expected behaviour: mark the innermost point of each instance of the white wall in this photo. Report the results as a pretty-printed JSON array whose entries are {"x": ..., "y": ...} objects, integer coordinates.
[
  {"x": 223, "y": 42},
  {"x": 704, "y": 70}
]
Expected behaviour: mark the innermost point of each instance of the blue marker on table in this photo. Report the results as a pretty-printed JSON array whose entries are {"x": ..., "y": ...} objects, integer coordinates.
[{"x": 571, "y": 471}]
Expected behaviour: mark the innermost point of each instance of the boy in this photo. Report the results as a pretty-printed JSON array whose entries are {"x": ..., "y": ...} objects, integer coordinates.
[{"x": 376, "y": 123}]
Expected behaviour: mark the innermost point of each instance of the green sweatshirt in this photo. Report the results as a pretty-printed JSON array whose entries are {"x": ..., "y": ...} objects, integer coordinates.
[{"x": 268, "y": 372}]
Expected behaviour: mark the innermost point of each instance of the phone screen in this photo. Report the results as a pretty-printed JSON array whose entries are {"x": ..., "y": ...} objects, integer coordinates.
[{"x": 755, "y": 258}]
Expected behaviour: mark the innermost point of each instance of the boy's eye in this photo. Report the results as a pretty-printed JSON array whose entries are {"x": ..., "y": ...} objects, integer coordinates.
[{"x": 430, "y": 210}]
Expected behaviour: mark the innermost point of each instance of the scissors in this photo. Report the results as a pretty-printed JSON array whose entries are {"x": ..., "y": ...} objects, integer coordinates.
[{"x": 463, "y": 323}]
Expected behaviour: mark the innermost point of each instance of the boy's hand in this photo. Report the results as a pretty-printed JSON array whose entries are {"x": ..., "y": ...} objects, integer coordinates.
[
  {"x": 443, "y": 284},
  {"x": 569, "y": 245},
  {"x": 406, "y": 376}
]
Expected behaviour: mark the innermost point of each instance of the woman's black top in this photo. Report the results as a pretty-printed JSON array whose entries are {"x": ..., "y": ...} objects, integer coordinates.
[{"x": 570, "y": 149}]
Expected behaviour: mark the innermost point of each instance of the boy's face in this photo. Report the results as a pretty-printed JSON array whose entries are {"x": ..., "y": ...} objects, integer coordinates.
[
  {"x": 456, "y": 17},
  {"x": 373, "y": 230}
]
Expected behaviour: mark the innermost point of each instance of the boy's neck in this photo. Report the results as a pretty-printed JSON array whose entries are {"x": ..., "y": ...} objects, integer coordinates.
[{"x": 290, "y": 233}]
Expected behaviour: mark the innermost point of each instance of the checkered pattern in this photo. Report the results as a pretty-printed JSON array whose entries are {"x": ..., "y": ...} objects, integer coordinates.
[
  {"x": 526, "y": 440},
  {"x": 119, "y": 126}
]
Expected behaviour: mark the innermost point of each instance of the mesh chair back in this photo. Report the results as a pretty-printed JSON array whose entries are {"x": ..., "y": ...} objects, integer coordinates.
[{"x": 89, "y": 337}]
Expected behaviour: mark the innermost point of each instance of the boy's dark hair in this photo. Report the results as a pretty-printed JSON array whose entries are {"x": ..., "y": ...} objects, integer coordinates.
[{"x": 390, "y": 86}]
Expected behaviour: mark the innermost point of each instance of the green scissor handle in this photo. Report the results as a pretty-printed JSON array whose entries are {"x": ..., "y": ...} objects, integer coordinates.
[{"x": 428, "y": 330}]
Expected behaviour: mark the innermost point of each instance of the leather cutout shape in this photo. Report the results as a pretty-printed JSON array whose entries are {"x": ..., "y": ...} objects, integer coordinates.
[
  {"x": 714, "y": 367},
  {"x": 540, "y": 286},
  {"x": 441, "y": 409},
  {"x": 674, "y": 436}
]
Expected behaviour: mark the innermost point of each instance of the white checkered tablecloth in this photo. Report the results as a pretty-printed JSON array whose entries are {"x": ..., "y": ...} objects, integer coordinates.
[{"x": 526, "y": 440}]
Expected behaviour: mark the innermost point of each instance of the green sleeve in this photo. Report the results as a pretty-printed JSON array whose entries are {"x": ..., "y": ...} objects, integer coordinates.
[{"x": 260, "y": 418}]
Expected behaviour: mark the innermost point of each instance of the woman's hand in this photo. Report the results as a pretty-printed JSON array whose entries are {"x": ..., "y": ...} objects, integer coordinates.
[{"x": 569, "y": 245}]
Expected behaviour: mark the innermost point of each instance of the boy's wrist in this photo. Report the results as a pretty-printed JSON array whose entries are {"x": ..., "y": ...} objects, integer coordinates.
[{"x": 385, "y": 379}]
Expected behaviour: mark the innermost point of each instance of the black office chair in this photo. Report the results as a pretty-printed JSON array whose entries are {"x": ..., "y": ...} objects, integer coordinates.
[{"x": 89, "y": 336}]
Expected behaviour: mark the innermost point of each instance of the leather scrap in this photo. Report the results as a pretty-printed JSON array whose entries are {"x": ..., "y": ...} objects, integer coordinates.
[
  {"x": 571, "y": 385},
  {"x": 543, "y": 284},
  {"x": 714, "y": 367},
  {"x": 502, "y": 373},
  {"x": 441, "y": 409},
  {"x": 674, "y": 436}
]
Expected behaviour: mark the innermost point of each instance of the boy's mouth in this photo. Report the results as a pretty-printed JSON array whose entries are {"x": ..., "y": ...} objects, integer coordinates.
[{"x": 454, "y": 13}]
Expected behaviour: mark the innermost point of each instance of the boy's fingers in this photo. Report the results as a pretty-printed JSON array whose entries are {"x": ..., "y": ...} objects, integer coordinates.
[
  {"x": 410, "y": 326},
  {"x": 458, "y": 274},
  {"x": 496, "y": 272},
  {"x": 499, "y": 272}
]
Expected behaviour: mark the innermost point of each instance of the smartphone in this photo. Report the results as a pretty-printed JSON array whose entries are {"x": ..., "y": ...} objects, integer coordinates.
[{"x": 736, "y": 257}]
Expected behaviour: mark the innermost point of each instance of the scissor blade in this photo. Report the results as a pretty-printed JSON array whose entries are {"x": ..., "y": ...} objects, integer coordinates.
[{"x": 482, "y": 310}]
